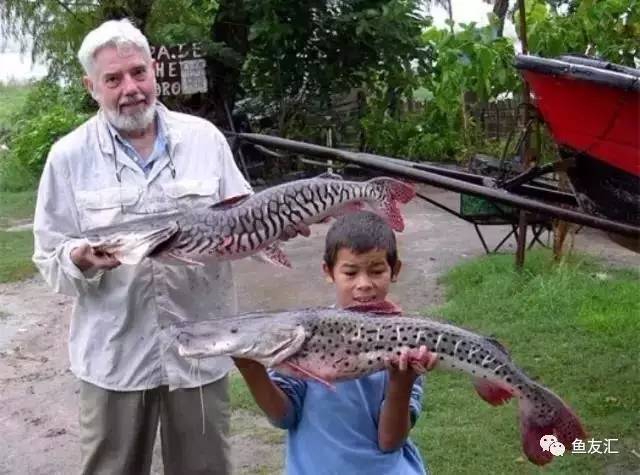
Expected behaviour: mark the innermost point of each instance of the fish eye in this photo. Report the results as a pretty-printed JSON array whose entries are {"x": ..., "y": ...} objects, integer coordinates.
[{"x": 234, "y": 330}]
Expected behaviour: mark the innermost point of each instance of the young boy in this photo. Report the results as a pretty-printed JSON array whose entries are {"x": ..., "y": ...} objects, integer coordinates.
[{"x": 362, "y": 427}]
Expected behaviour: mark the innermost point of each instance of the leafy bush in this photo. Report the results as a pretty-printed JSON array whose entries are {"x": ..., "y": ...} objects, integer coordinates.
[
  {"x": 50, "y": 112},
  {"x": 418, "y": 136},
  {"x": 470, "y": 60},
  {"x": 609, "y": 29}
]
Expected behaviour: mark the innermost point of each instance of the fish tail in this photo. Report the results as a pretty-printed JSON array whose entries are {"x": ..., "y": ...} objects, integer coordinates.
[
  {"x": 548, "y": 415},
  {"x": 393, "y": 192}
]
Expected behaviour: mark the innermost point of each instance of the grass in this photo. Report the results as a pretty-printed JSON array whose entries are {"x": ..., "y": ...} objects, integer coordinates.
[
  {"x": 575, "y": 327},
  {"x": 16, "y": 206},
  {"x": 16, "y": 249}
]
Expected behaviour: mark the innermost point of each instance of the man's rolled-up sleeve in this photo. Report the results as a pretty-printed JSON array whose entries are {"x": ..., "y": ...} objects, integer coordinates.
[{"x": 56, "y": 232}]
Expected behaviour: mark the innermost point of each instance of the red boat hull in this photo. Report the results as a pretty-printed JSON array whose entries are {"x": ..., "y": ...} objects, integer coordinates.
[
  {"x": 592, "y": 109},
  {"x": 594, "y": 119}
]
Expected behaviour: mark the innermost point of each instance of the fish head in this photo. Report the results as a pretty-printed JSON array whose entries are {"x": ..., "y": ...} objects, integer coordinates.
[{"x": 260, "y": 337}]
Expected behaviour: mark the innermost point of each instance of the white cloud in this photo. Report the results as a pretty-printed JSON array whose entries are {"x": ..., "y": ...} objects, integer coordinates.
[
  {"x": 467, "y": 11},
  {"x": 18, "y": 67}
]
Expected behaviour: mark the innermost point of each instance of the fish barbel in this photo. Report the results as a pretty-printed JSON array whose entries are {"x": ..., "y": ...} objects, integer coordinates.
[
  {"x": 250, "y": 224},
  {"x": 328, "y": 344}
]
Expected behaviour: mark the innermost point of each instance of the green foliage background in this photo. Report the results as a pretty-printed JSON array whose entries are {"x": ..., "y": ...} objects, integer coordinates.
[{"x": 301, "y": 54}]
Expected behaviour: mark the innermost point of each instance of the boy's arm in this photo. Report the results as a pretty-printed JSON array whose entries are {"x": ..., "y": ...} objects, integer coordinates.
[
  {"x": 269, "y": 397},
  {"x": 395, "y": 421}
]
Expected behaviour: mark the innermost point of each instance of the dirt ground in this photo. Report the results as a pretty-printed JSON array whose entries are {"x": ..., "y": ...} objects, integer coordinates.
[{"x": 38, "y": 394}]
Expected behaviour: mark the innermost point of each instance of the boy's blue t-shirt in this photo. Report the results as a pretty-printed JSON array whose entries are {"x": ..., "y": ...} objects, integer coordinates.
[{"x": 336, "y": 432}]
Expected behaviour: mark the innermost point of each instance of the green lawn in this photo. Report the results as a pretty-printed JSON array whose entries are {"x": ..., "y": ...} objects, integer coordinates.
[
  {"x": 16, "y": 249},
  {"x": 16, "y": 206},
  {"x": 574, "y": 327}
]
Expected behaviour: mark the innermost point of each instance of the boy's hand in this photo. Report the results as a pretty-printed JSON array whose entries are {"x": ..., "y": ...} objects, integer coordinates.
[
  {"x": 244, "y": 363},
  {"x": 410, "y": 364}
]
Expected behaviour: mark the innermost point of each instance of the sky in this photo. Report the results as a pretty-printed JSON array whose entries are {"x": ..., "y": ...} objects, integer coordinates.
[{"x": 16, "y": 66}]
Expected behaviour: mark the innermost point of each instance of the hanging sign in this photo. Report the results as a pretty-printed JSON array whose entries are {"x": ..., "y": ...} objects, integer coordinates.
[{"x": 180, "y": 69}]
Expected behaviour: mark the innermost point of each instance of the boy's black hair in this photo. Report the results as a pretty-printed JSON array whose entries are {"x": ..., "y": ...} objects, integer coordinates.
[{"x": 360, "y": 232}]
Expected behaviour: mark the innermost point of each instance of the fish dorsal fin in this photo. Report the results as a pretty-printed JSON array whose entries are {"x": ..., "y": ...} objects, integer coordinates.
[
  {"x": 497, "y": 344},
  {"x": 385, "y": 307},
  {"x": 230, "y": 202},
  {"x": 329, "y": 176}
]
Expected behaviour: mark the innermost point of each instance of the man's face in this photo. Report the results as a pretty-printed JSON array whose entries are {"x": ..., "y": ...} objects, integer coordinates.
[{"x": 124, "y": 84}]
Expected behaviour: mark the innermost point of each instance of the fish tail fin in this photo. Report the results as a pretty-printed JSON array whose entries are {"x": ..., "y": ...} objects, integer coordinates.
[
  {"x": 131, "y": 248},
  {"x": 547, "y": 415},
  {"x": 394, "y": 192}
]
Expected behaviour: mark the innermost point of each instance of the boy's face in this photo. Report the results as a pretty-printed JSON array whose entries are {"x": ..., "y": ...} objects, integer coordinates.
[{"x": 361, "y": 278}]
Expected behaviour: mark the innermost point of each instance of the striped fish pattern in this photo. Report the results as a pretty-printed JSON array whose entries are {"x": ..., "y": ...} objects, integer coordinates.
[
  {"x": 330, "y": 345},
  {"x": 253, "y": 225}
]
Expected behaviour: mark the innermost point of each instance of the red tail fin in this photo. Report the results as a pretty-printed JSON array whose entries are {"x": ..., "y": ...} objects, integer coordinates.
[
  {"x": 492, "y": 392},
  {"x": 535, "y": 424},
  {"x": 396, "y": 191}
]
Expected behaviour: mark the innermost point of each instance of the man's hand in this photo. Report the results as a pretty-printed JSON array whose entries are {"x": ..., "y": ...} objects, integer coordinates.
[{"x": 85, "y": 258}]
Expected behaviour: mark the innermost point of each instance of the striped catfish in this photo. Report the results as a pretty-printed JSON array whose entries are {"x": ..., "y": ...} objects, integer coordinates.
[
  {"x": 251, "y": 225},
  {"x": 329, "y": 345}
]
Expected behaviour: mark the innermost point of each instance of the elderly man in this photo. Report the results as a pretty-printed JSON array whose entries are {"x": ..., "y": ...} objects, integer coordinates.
[{"x": 136, "y": 157}]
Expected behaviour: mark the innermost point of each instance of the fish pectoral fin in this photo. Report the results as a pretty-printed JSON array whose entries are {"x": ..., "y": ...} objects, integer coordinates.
[
  {"x": 170, "y": 256},
  {"x": 230, "y": 202},
  {"x": 492, "y": 392},
  {"x": 273, "y": 255},
  {"x": 309, "y": 374}
]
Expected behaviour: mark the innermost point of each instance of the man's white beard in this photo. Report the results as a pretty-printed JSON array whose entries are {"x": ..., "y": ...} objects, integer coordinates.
[{"x": 132, "y": 123}]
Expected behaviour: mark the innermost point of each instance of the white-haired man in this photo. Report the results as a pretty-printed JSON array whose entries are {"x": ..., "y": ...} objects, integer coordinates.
[{"x": 136, "y": 157}]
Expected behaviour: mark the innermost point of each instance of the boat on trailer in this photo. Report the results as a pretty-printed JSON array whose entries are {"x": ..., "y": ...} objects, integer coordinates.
[{"x": 592, "y": 109}]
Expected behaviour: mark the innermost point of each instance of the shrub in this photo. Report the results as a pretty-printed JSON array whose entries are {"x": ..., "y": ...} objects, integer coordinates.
[{"x": 50, "y": 112}]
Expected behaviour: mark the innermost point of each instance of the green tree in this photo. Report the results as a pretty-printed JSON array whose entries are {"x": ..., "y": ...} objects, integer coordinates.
[
  {"x": 609, "y": 29},
  {"x": 308, "y": 47}
]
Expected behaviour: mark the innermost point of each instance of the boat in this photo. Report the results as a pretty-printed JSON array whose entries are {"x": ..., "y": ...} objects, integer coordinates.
[{"x": 592, "y": 110}]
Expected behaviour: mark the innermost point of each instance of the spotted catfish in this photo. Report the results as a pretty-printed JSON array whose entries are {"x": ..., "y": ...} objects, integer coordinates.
[
  {"x": 251, "y": 225},
  {"x": 327, "y": 345}
]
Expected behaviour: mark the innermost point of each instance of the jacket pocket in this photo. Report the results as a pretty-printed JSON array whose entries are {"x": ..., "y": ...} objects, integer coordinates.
[
  {"x": 105, "y": 206},
  {"x": 193, "y": 192}
]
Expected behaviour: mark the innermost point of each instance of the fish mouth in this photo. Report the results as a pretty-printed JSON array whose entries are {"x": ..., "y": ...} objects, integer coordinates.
[{"x": 189, "y": 346}]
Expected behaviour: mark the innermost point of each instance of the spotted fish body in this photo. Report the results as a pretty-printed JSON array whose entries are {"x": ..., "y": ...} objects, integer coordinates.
[
  {"x": 333, "y": 345},
  {"x": 254, "y": 224}
]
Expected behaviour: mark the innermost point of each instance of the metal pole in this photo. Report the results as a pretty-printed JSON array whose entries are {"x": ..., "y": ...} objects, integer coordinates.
[
  {"x": 386, "y": 164},
  {"x": 525, "y": 156},
  {"x": 243, "y": 163}
]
